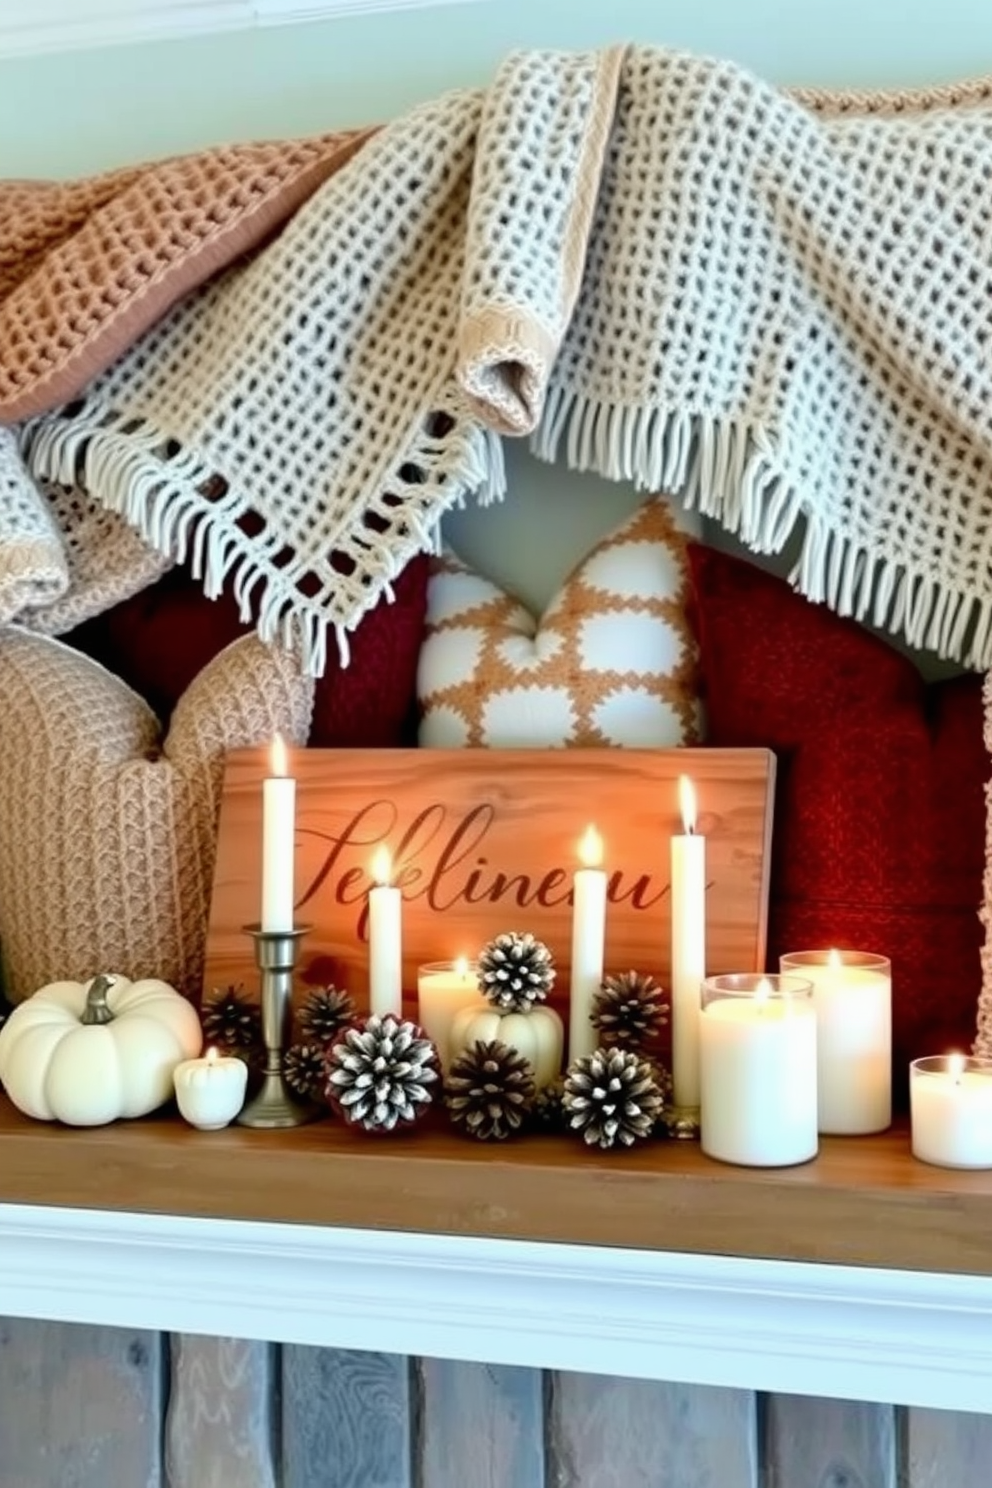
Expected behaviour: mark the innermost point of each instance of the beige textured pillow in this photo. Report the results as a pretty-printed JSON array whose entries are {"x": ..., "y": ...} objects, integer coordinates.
[
  {"x": 611, "y": 662},
  {"x": 107, "y": 832}
]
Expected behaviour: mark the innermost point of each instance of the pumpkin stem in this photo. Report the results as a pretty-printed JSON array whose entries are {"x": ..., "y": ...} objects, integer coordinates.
[{"x": 96, "y": 1009}]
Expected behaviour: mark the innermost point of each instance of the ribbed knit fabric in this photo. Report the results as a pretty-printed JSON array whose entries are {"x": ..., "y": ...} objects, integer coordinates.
[
  {"x": 107, "y": 831},
  {"x": 654, "y": 264}
]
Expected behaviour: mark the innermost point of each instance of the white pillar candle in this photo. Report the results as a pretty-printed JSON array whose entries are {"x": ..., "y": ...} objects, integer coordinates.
[
  {"x": 757, "y": 1048},
  {"x": 950, "y": 1101},
  {"x": 852, "y": 994},
  {"x": 688, "y": 937},
  {"x": 588, "y": 944},
  {"x": 210, "y": 1091},
  {"x": 385, "y": 940},
  {"x": 443, "y": 989},
  {"x": 278, "y": 842}
]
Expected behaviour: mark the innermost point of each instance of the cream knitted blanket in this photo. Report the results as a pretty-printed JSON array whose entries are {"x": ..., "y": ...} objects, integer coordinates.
[{"x": 659, "y": 266}]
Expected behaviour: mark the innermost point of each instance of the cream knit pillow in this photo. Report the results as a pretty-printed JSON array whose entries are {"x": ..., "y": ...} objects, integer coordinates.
[
  {"x": 107, "y": 832},
  {"x": 611, "y": 662}
]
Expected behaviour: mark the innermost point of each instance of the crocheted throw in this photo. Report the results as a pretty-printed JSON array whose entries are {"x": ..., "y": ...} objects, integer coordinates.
[{"x": 667, "y": 270}]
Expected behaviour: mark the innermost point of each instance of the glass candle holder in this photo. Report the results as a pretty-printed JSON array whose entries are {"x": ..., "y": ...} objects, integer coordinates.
[
  {"x": 852, "y": 994},
  {"x": 757, "y": 1064},
  {"x": 950, "y": 1103},
  {"x": 443, "y": 989}
]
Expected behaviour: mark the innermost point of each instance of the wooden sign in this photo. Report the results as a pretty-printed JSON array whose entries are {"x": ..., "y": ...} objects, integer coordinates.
[{"x": 484, "y": 841}]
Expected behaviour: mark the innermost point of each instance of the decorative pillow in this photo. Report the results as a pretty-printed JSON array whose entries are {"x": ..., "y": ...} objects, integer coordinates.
[
  {"x": 611, "y": 661},
  {"x": 107, "y": 831},
  {"x": 160, "y": 639},
  {"x": 879, "y": 835},
  {"x": 87, "y": 266}
]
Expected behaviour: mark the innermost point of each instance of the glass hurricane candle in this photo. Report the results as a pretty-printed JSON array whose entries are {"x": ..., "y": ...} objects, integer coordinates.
[{"x": 950, "y": 1102}]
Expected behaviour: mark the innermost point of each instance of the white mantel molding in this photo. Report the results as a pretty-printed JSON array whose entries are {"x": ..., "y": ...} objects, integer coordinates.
[
  {"x": 28, "y": 26},
  {"x": 912, "y": 1338}
]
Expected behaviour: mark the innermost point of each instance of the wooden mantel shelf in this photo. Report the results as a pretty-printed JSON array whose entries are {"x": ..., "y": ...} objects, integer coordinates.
[
  {"x": 863, "y": 1202},
  {"x": 862, "y": 1275}
]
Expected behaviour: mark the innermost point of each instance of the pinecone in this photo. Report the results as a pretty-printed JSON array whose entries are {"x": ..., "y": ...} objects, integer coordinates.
[
  {"x": 546, "y": 1113},
  {"x": 379, "y": 1073},
  {"x": 515, "y": 972},
  {"x": 489, "y": 1090},
  {"x": 323, "y": 1014},
  {"x": 629, "y": 1011},
  {"x": 231, "y": 1022},
  {"x": 611, "y": 1097},
  {"x": 305, "y": 1069}
]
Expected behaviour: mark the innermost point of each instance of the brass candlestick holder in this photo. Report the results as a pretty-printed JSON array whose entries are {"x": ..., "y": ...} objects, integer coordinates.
[{"x": 276, "y": 953}]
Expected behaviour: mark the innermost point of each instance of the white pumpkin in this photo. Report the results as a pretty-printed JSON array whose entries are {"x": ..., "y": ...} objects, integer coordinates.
[
  {"x": 89, "y": 1052},
  {"x": 537, "y": 1035}
]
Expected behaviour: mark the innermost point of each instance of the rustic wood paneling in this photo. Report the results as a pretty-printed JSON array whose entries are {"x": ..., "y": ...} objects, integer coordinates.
[
  {"x": 482, "y": 1426},
  {"x": 80, "y": 1407},
  {"x": 605, "y": 1432},
  {"x": 947, "y": 1449},
  {"x": 830, "y": 1444},
  {"x": 346, "y": 1419},
  {"x": 220, "y": 1423}
]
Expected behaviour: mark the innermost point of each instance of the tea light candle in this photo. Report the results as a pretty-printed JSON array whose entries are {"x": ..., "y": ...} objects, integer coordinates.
[
  {"x": 210, "y": 1091},
  {"x": 950, "y": 1102},
  {"x": 852, "y": 994},
  {"x": 443, "y": 989},
  {"x": 688, "y": 911},
  {"x": 757, "y": 1060},
  {"x": 278, "y": 842},
  {"x": 588, "y": 944},
  {"x": 385, "y": 940}
]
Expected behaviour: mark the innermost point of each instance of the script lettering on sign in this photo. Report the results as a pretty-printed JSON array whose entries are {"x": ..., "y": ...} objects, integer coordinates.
[{"x": 483, "y": 842}]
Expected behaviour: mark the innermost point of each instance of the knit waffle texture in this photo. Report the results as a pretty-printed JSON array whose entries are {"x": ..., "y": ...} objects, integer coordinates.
[
  {"x": 655, "y": 265},
  {"x": 107, "y": 830}
]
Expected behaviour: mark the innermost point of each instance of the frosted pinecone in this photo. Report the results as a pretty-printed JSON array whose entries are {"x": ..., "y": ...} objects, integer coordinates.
[
  {"x": 546, "y": 1113},
  {"x": 611, "y": 1098},
  {"x": 515, "y": 972},
  {"x": 323, "y": 1014},
  {"x": 305, "y": 1069},
  {"x": 629, "y": 1011},
  {"x": 231, "y": 1022},
  {"x": 380, "y": 1073},
  {"x": 489, "y": 1090}
]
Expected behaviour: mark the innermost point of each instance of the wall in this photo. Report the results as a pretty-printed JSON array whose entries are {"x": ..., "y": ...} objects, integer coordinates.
[{"x": 105, "y": 1408}]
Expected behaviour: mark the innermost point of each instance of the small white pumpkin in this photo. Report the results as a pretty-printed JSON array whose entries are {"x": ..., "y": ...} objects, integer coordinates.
[
  {"x": 86, "y": 1053},
  {"x": 537, "y": 1035}
]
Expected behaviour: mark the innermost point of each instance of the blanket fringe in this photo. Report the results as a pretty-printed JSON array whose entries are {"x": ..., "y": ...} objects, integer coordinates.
[
  {"x": 728, "y": 470},
  {"x": 172, "y": 498}
]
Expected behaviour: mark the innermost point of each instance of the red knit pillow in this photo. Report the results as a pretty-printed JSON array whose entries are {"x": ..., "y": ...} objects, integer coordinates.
[
  {"x": 879, "y": 813},
  {"x": 159, "y": 640}
]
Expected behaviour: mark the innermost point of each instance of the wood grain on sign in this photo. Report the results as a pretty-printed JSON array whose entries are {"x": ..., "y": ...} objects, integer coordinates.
[
  {"x": 484, "y": 842},
  {"x": 813, "y": 1443},
  {"x": 482, "y": 1426},
  {"x": 606, "y": 1432},
  {"x": 220, "y": 1426},
  {"x": 346, "y": 1419},
  {"x": 80, "y": 1406},
  {"x": 947, "y": 1449}
]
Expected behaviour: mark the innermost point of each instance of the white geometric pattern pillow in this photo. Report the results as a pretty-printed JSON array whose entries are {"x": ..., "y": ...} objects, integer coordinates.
[{"x": 612, "y": 660}]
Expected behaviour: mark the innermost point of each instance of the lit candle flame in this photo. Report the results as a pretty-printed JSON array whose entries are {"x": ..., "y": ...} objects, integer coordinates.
[
  {"x": 211, "y": 1056},
  {"x": 277, "y": 756},
  {"x": 461, "y": 967},
  {"x": 955, "y": 1067},
  {"x": 762, "y": 993},
  {"x": 382, "y": 866},
  {"x": 833, "y": 960},
  {"x": 591, "y": 848},
  {"x": 687, "y": 804}
]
